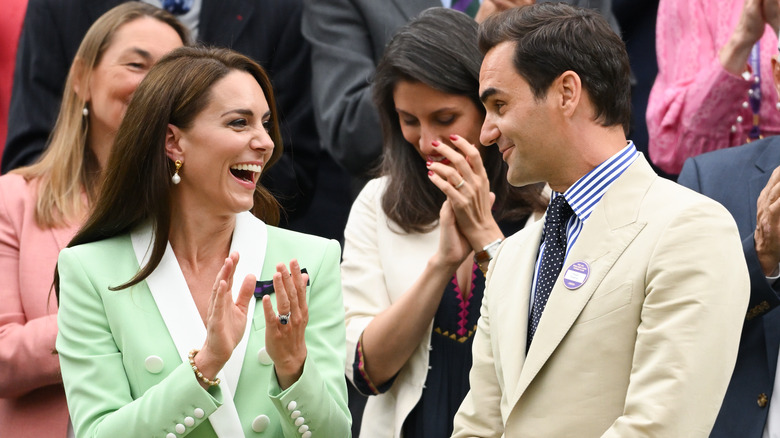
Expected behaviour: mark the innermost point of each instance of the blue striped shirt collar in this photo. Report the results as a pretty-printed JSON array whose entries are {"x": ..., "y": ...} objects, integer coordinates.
[{"x": 584, "y": 194}]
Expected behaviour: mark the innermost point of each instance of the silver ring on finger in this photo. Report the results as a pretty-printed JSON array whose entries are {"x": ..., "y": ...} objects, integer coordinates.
[
  {"x": 460, "y": 184},
  {"x": 284, "y": 319}
]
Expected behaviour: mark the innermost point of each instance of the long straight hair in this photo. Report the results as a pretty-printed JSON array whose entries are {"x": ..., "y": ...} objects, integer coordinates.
[
  {"x": 137, "y": 187},
  {"x": 68, "y": 168},
  {"x": 439, "y": 49}
]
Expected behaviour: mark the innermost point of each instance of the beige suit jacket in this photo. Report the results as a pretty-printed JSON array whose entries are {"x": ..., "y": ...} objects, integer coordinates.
[{"x": 644, "y": 348}]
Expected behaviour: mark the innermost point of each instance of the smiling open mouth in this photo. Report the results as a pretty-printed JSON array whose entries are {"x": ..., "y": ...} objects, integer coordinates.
[{"x": 246, "y": 172}]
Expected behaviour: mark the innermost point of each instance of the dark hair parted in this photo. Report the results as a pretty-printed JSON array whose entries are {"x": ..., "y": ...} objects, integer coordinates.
[
  {"x": 439, "y": 49},
  {"x": 137, "y": 186},
  {"x": 552, "y": 38}
]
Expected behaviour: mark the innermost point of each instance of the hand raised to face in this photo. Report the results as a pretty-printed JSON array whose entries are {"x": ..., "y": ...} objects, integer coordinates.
[{"x": 465, "y": 182}]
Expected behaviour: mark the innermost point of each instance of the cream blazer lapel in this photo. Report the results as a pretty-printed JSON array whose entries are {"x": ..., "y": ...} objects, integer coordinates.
[
  {"x": 507, "y": 296},
  {"x": 172, "y": 296},
  {"x": 603, "y": 239}
]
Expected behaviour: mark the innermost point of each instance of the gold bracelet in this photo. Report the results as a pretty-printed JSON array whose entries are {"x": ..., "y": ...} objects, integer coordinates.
[{"x": 200, "y": 375}]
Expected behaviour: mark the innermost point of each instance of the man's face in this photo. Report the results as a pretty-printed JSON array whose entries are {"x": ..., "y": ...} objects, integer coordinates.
[{"x": 524, "y": 128}]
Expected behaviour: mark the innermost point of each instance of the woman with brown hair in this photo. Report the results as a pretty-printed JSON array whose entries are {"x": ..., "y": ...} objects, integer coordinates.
[
  {"x": 420, "y": 237},
  {"x": 165, "y": 342},
  {"x": 42, "y": 206}
]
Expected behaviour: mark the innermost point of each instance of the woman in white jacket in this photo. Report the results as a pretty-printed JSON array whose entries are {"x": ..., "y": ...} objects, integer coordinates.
[{"x": 420, "y": 237}]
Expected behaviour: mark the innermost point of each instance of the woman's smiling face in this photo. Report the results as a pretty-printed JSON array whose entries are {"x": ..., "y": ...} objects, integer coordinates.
[{"x": 226, "y": 146}]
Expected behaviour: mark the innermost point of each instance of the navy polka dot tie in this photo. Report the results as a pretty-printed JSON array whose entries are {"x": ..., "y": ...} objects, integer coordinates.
[{"x": 558, "y": 213}]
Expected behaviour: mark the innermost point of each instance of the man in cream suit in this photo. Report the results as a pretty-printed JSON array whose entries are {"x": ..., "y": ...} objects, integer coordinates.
[{"x": 619, "y": 314}]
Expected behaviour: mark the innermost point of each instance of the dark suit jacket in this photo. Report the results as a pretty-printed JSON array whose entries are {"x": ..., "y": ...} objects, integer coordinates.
[
  {"x": 734, "y": 177},
  {"x": 348, "y": 39},
  {"x": 266, "y": 30}
]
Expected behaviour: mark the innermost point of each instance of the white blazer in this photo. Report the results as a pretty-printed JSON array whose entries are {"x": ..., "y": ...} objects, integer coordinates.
[{"x": 381, "y": 262}]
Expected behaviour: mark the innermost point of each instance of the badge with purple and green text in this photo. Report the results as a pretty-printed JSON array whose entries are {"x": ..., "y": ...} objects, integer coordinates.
[{"x": 576, "y": 275}]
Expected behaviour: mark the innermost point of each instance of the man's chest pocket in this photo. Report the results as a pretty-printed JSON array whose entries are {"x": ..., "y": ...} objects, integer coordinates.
[{"x": 602, "y": 304}]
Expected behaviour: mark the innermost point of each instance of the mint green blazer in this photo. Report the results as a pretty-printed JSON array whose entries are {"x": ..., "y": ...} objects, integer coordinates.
[{"x": 123, "y": 353}]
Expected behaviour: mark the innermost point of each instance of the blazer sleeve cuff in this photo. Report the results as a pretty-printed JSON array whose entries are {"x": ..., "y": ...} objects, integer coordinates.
[{"x": 307, "y": 405}]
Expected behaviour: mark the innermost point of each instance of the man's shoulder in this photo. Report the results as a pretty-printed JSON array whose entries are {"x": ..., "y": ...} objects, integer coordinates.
[{"x": 667, "y": 199}]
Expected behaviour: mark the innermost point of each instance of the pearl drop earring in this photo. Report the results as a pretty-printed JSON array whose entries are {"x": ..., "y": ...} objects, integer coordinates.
[
  {"x": 777, "y": 106},
  {"x": 85, "y": 111},
  {"x": 176, "y": 178}
]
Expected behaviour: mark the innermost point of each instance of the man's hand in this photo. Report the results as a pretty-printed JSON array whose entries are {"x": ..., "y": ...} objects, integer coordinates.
[{"x": 767, "y": 234}]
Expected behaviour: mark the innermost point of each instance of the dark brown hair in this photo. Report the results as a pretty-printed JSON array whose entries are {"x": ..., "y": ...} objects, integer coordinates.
[
  {"x": 552, "y": 38},
  {"x": 438, "y": 49},
  {"x": 137, "y": 186}
]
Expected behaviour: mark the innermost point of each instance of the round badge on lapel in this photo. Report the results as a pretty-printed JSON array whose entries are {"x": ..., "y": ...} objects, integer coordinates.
[{"x": 576, "y": 275}]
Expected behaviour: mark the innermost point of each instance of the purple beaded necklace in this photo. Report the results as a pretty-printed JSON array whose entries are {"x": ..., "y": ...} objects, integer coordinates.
[{"x": 754, "y": 93}]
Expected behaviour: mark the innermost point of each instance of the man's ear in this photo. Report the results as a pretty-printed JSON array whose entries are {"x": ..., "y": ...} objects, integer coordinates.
[
  {"x": 80, "y": 81},
  {"x": 173, "y": 146},
  {"x": 569, "y": 86}
]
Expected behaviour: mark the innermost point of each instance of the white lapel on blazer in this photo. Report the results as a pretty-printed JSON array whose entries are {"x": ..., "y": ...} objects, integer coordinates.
[
  {"x": 177, "y": 308},
  {"x": 250, "y": 241}
]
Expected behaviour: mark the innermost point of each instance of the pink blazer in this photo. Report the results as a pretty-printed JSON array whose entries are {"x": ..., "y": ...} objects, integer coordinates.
[{"x": 32, "y": 400}]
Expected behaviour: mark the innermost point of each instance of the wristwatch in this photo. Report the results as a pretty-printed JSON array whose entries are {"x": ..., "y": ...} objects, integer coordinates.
[{"x": 487, "y": 254}]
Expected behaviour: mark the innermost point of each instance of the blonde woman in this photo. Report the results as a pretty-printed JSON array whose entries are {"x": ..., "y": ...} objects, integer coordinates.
[{"x": 42, "y": 206}]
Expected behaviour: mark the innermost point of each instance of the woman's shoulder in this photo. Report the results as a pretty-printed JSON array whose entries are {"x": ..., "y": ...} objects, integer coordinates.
[
  {"x": 105, "y": 250},
  {"x": 13, "y": 180},
  {"x": 16, "y": 187},
  {"x": 312, "y": 252},
  {"x": 18, "y": 201},
  {"x": 294, "y": 242},
  {"x": 374, "y": 189},
  {"x": 369, "y": 200}
]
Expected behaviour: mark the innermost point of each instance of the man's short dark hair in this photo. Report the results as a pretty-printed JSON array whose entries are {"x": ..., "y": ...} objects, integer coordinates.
[{"x": 551, "y": 38}]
